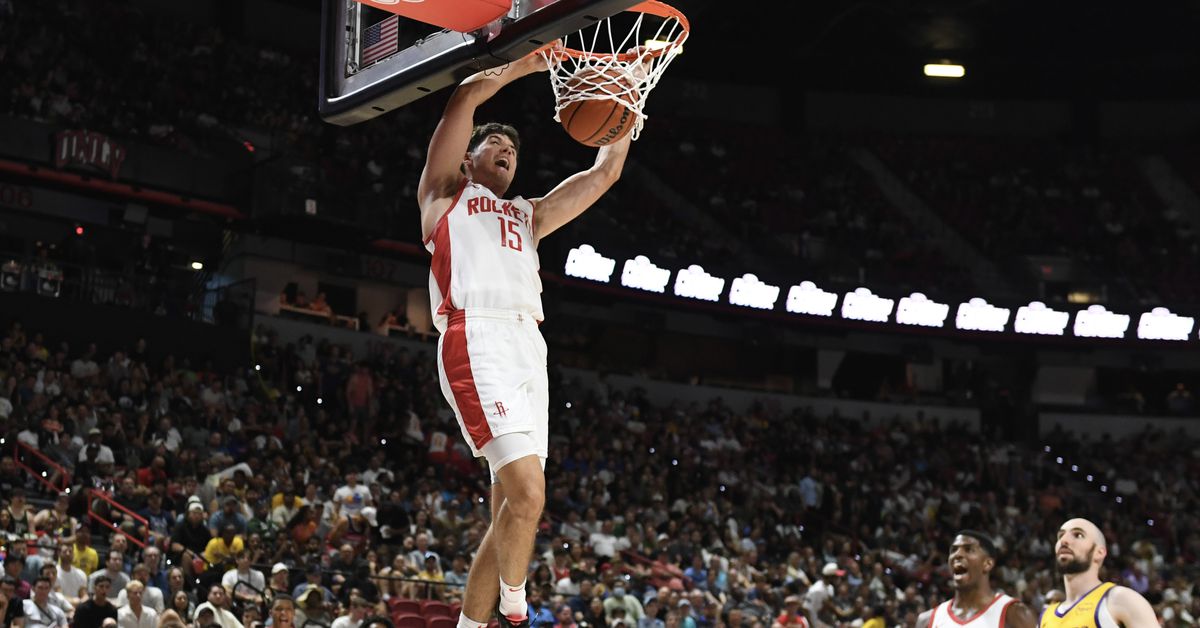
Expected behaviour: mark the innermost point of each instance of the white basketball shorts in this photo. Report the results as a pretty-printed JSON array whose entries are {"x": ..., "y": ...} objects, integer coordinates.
[{"x": 492, "y": 368}]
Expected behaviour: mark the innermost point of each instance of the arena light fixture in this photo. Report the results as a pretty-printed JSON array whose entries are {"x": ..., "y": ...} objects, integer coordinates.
[
  {"x": 694, "y": 282},
  {"x": 586, "y": 263},
  {"x": 1098, "y": 322},
  {"x": 1036, "y": 318},
  {"x": 862, "y": 305},
  {"x": 749, "y": 291},
  {"x": 197, "y": 265},
  {"x": 917, "y": 309},
  {"x": 979, "y": 315},
  {"x": 807, "y": 298},
  {"x": 945, "y": 70},
  {"x": 642, "y": 274},
  {"x": 1161, "y": 324}
]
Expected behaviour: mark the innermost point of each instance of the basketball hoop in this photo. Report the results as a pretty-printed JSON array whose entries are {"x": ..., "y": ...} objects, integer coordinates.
[{"x": 598, "y": 63}]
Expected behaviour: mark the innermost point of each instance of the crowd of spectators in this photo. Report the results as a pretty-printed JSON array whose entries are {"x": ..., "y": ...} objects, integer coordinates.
[
  {"x": 1090, "y": 204},
  {"x": 341, "y": 480},
  {"x": 61, "y": 70},
  {"x": 802, "y": 203}
]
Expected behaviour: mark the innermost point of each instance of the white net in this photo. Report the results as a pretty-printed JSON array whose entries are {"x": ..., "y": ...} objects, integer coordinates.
[{"x": 600, "y": 63}]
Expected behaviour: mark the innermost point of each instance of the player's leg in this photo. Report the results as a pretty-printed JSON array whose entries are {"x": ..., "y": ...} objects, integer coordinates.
[
  {"x": 515, "y": 529},
  {"x": 519, "y": 460},
  {"x": 481, "y": 369},
  {"x": 483, "y": 580}
]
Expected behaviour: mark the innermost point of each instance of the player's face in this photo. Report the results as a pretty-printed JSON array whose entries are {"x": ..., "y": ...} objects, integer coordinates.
[
  {"x": 969, "y": 563},
  {"x": 494, "y": 159},
  {"x": 1074, "y": 552}
]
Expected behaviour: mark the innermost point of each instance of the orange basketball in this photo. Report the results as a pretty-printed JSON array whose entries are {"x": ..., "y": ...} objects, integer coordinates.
[{"x": 597, "y": 122}]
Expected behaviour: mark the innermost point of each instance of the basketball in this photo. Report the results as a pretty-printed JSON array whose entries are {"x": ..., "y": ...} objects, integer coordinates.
[{"x": 597, "y": 122}]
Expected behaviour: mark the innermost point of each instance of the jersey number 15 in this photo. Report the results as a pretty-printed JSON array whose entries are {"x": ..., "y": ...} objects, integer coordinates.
[{"x": 509, "y": 236}]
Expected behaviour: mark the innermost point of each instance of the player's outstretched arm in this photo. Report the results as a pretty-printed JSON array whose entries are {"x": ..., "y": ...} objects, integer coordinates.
[
  {"x": 448, "y": 146},
  {"x": 1020, "y": 616},
  {"x": 1130, "y": 609},
  {"x": 580, "y": 190}
]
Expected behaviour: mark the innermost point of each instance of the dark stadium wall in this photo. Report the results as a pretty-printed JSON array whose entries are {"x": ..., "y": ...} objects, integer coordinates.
[
  {"x": 722, "y": 101},
  {"x": 258, "y": 20},
  {"x": 1174, "y": 121},
  {"x": 853, "y": 113},
  {"x": 112, "y": 328},
  {"x": 905, "y": 114}
]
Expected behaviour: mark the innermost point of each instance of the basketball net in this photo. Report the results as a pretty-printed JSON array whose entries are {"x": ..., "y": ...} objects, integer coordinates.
[{"x": 599, "y": 63}]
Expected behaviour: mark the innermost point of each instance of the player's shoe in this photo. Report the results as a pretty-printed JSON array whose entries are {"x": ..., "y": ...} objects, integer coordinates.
[{"x": 511, "y": 622}]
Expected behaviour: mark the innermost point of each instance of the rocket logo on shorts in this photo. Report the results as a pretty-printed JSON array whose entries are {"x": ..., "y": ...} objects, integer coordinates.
[{"x": 500, "y": 411}]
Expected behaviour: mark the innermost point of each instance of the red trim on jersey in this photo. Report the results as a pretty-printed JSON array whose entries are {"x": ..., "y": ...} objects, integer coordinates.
[
  {"x": 441, "y": 255},
  {"x": 457, "y": 362},
  {"x": 964, "y": 622},
  {"x": 1004, "y": 613},
  {"x": 458, "y": 195},
  {"x": 441, "y": 265},
  {"x": 933, "y": 615}
]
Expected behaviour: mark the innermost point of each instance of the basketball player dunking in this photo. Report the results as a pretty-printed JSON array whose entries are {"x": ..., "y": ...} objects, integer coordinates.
[
  {"x": 975, "y": 604},
  {"x": 1089, "y": 603},
  {"x": 486, "y": 300}
]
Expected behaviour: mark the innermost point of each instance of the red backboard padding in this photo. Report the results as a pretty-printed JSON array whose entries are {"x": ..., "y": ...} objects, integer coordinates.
[{"x": 463, "y": 16}]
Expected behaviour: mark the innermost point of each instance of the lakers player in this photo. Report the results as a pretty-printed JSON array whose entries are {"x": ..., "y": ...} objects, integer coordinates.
[
  {"x": 1089, "y": 603},
  {"x": 975, "y": 604},
  {"x": 486, "y": 300}
]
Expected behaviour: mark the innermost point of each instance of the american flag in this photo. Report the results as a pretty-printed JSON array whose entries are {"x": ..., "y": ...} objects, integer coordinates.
[{"x": 380, "y": 40}]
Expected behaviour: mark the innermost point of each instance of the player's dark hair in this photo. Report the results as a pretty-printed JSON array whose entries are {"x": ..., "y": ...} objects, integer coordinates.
[
  {"x": 984, "y": 540},
  {"x": 480, "y": 133}
]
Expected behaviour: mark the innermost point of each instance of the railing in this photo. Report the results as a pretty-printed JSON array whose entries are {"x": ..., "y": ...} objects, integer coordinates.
[
  {"x": 22, "y": 454},
  {"x": 92, "y": 513}
]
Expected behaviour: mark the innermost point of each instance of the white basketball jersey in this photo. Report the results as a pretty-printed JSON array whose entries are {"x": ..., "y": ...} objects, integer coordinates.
[
  {"x": 990, "y": 617},
  {"x": 484, "y": 256}
]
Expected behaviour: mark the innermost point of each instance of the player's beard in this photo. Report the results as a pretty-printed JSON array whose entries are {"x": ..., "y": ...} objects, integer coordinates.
[{"x": 1075, "y": 565}]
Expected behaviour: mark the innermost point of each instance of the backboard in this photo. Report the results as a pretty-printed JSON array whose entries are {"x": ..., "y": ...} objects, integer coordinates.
[{"x": 373, "y": 61}]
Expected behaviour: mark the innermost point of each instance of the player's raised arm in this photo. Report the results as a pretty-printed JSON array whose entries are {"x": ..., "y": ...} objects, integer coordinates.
[
  {"x": 1130, "y": 609},
  {"x": 1019, "y": 615},
  {"x": 448, "y": 146},
  {"x": 579, "y": 191}
]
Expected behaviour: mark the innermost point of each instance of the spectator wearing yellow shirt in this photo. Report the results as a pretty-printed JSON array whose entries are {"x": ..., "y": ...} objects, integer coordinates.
[
  {"x": 86, "y": 557},
  {"x": 221, "y": 549},
  {"x": 873, "y": 617},
  {"x": 285, "y": 505},
  {"x": 432, "y": 572}
]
